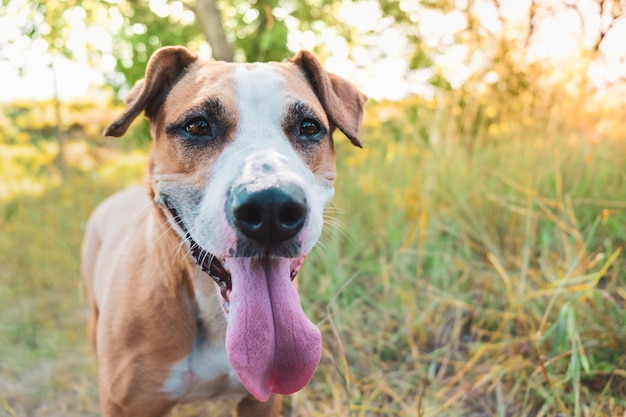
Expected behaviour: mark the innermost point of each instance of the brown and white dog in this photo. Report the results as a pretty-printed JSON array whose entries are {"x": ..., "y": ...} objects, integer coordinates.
[{"x": 190, "y": 283}]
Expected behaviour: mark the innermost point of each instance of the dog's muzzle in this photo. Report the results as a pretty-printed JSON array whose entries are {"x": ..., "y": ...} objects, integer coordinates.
[{"x": 268, "y": 218}]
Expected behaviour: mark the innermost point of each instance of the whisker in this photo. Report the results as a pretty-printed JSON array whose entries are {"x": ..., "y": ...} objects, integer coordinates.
[
  {"x": 320, "y": 250},
  {"x": 164, "y": 229},
  {"x": 335, "y": 225},
  {"x": 204, "y": 257},
  {"x": 334, "y": 209}
]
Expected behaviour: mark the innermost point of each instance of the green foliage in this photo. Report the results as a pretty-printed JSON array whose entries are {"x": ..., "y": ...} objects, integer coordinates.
[
  {"x": 258, "y": 33},
  {"x": 485, "y": 269},
  {"x": 459, "y": 273},
  {"x": 473, "y": 261},
  {"x": 143, "y": 32},
  {"x": 28, "y": 122},
  {"x": 418, "y": 54},
  {"x": 50, "y": 21}
]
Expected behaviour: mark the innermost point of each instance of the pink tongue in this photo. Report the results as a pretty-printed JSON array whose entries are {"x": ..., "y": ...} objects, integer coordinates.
[{"x": 271, "y": 344}]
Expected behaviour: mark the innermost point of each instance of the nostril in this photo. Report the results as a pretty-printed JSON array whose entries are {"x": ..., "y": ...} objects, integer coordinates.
[
  {"x": 291, "y": 215},
  {"x": 250, "y": 215}
]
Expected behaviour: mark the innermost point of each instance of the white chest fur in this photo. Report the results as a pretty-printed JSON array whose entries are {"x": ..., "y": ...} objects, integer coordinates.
[{"x": 203, "y": 374}]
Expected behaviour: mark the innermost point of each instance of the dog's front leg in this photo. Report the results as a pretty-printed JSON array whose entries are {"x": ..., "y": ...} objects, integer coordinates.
[
  {"x": 144, "y": 403},
  {"x": 251, "y": 407}
]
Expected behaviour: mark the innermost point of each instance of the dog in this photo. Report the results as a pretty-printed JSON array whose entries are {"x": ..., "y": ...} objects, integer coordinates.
[{"x": 189, "y": 280}]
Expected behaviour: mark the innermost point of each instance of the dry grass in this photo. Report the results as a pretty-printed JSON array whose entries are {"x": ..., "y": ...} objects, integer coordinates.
[{"x": 457, "y": 277}]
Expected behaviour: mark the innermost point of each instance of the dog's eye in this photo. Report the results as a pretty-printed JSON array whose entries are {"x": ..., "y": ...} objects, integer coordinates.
[
  {"x": 309, "y": 127},
  {"x": 198, "y": 126}
]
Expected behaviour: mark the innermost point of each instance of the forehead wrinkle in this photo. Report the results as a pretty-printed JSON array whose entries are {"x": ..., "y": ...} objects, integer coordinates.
[
  {"x": 301, "y": 91},
  {"x": 201, "y": 82}
]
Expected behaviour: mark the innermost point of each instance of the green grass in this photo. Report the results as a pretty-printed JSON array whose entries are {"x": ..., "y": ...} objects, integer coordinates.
[{"x": 458, "y": 277}]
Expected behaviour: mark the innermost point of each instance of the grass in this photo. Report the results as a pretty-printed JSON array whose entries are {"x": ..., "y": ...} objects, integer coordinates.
[{"x": 463, "y": 276}]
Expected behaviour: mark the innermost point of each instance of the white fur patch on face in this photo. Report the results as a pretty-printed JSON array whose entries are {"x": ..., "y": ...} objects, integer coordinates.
[{"x": 259, "y": 151}]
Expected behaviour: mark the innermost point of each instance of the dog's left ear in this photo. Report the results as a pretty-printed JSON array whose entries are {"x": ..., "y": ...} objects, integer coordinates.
[
  {"x": 342, "y": 101},
  {"x": 164, "y": 68}
]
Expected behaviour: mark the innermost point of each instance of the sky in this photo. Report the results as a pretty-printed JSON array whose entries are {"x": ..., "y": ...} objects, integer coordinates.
[{"x": 380, "y": 68}]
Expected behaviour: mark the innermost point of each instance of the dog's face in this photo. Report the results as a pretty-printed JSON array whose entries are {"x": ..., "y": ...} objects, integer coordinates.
[
  {"x": 242, "y": 165},
  {"x": 247, "y": 163}
]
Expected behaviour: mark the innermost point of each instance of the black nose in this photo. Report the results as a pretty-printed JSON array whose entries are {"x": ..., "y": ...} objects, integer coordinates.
[{"x": 271, "y": 215}]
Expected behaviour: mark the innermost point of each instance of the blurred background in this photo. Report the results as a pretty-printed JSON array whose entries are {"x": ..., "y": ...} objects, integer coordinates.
[{"x": 472, "y": 261}]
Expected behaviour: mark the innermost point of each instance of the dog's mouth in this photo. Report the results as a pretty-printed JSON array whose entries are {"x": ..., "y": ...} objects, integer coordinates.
[
  {"x": 271, "y": 344},
  {"x": 213, "y": 265},
  {"x": 215, "y": 268},
  {"x": 210, "y": 264}
]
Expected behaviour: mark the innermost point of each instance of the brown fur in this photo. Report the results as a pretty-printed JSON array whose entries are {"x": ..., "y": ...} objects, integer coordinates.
[{"x": 140, "y": 281}]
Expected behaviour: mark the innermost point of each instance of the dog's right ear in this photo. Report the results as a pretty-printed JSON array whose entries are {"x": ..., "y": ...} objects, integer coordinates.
[{"x": 164, "y": 68}]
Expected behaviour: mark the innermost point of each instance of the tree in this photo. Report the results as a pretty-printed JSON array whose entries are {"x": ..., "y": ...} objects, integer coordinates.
[
  {"x": 48, "y": 23},
  {"x": 241, "y": 30},
  {"x": 142, "y": 31},
  {"x": 210, "y": 21}
]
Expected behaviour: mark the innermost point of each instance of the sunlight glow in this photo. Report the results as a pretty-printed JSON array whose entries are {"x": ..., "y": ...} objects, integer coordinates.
[
  {"x": 175, "y": 10},
  {"x": 487, "y": 14},
  {"x": 159, "y": 7},
  {"x": 379, "y": 65}
]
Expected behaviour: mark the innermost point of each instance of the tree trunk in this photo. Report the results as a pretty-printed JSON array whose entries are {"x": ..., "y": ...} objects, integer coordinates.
[{"x": 210, "y": 22}]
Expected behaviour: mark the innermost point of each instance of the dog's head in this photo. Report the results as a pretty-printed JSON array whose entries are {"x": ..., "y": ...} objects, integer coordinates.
[{"x": 242, "y": 165}]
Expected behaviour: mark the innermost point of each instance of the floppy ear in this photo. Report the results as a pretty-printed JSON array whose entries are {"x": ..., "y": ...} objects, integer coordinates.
[
  {"x": 164, "y": 68},
  {"x": 339, "y": 97}
]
